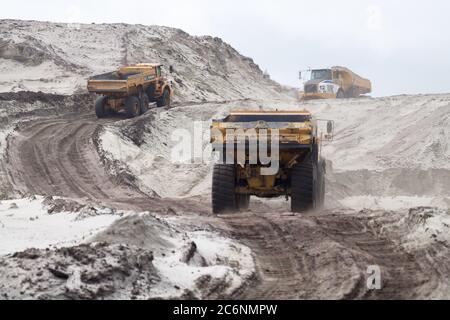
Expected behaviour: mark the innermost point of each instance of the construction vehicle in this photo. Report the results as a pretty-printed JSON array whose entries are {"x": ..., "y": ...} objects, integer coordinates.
[
  {"x": 300, "y": 171},
  {"x": 130, "y": 88},
  {"x": 337, "y": 82}
]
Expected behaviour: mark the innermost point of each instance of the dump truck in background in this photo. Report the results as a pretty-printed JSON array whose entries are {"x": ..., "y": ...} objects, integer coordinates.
[
  {"x": 130, "y": 88},
  {"x": 336, "y": 82},
  {"x": 300, "y": 171}
]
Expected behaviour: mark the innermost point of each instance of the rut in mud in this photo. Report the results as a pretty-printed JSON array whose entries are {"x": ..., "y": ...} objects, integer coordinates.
[{"x": 325, "y": 256}]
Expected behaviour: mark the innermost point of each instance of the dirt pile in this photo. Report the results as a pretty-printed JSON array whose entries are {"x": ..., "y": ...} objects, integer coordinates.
[
  {"x": 26, "y": 104},
  {"x": 94, "y": 271},
  {"x": 191, "y": 261},
  {"x": 142, "y": 231},
  {"x": 58, "y": 58},
  {"x": 103, "y": 253}
]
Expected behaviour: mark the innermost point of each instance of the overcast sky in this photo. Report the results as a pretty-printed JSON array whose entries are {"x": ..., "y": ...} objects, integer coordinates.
[{"x": 402, "y": 46}]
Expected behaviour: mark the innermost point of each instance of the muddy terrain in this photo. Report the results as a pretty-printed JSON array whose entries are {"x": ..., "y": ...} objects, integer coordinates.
[
  {"x": 313, "y": 255},
  {"x": 102, "y": 209}
]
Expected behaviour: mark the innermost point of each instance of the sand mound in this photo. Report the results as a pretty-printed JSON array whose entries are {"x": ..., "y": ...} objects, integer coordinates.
[
  {"x": 94, "y": 271},
  {"x": 58, "y": 58}
]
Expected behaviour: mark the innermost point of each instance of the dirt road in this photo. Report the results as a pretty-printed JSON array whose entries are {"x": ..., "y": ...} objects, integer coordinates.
[
  {"x": 58, "y": 157},
  {"x": 324, "y": 255},
  {"x": 315, "y": 255}
]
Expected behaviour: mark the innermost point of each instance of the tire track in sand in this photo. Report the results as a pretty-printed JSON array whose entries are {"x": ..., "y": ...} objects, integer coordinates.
[
  {"x": 323, "y": 256},
  {"x": 58, "y": 157}
]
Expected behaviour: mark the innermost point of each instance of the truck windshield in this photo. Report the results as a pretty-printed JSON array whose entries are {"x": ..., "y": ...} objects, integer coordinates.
[
  {"x": 321, "y": 74},
  {"x": 268, "y": 118}
]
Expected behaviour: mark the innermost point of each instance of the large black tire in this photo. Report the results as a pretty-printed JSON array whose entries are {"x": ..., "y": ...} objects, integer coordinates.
[
  {"x": 321, "y": 171},
  {"x": 132, "y": 106},
  {"x": 340, "y": 94},
  {"x": 350, "y": 93},
  {"x": 144, "y": 103},
  {"x": 308, "y": 185},
  {"x": 224, "y": 199},
  {"x": 303, "y": 186},
  {"x": 164, "y": 100},
  {"x": 101, "y": 109}
]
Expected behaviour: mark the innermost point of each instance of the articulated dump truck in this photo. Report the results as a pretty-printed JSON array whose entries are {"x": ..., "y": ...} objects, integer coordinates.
[
  {"x": 268, "y": 154},
  {"x": 337, "y": 82},
  {"x": 131, "y": 88}
]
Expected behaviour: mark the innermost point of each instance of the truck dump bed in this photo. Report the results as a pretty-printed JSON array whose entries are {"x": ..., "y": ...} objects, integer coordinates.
[
  {"x": 107, "y": 86},
  {"x": 293, "y": 128},
  {"x": 352, "y": 79},
  {"x": 124, "y": 81}
]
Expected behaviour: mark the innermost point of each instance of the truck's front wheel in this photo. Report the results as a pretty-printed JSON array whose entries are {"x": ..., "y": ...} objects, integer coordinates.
[
  {"x": 164, "y": 100},
  {"x": 132, "y": 106},
  {"x": 308, "y": 185},
  {"x": 224, "y": 197}
]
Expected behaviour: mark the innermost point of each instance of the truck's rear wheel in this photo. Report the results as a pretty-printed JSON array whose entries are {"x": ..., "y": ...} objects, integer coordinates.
[
  {"x": 132, "y": 106},
  {"x": 308, "y": 185},
  {"x": 164, "y": 100},
  {"x": 101, "y": 109},
  {"x": 224, "y": 197},
  {"x": 144, "y": 103},
  {"x": 303, "y": 180},
  {"x": 321, "y": 171}
]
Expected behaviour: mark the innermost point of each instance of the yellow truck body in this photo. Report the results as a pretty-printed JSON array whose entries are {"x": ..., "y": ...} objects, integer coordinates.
[
  {"x": 130, "y": 88},
  {"x": 337, "y": 82},
  {"x": 299, "y": 173}
]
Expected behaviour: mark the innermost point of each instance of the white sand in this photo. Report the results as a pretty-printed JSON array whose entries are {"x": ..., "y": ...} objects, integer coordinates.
[
  {"x": 60, "y": 57},
  {"x": 30, "y": 226}
]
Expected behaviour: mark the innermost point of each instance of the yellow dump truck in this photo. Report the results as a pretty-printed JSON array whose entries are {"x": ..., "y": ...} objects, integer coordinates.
[
  {"x": 337, "y": 82},
  {"x": 290, "y": 164},
  {"x": 130, "y": 88}
]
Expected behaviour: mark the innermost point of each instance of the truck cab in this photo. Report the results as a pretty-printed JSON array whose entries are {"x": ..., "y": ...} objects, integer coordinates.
[
  {"x": 332, "y": 83},
  {"x": 323, "y": 84}
]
